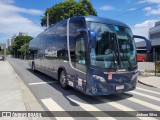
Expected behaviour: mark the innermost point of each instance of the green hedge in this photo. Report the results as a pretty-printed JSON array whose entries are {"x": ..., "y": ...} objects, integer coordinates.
[{"x": 158, "y": 66}]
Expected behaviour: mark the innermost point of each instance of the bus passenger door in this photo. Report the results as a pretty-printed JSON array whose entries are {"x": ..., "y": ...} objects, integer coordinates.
[
  {"x": 80, "y": 63},
  {"x": 77, "y": 53}
]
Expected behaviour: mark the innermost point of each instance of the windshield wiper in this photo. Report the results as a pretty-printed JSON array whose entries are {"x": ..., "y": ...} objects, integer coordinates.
[
  {"x": 130, "y": 65},
  {"x": 128, "y": 60}
]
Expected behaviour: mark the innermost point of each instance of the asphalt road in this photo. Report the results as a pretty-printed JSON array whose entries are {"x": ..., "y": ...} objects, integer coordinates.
[{"x": 53, "y": 98}]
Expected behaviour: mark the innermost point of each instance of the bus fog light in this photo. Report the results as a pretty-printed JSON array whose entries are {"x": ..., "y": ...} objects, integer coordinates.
[
  {"x": 94, "y": 90},
  {"x": 98, "y": 78}
]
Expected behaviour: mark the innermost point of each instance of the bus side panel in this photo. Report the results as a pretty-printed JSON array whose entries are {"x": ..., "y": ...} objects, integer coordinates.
[{"x": 77, "y": 51}]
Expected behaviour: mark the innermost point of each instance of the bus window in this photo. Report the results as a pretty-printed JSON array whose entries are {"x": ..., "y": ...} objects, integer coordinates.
[
  {"x": 75, "y": 44},
  {"x": 115, "y": 44},
  {"x": 33, "y": 54},
  {"x": 80, "y": 52}
]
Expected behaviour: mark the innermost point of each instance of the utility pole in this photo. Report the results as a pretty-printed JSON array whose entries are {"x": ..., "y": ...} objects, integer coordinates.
[
  {"x": 25, "y": 50},
  {"x": 4, "y": 51},
  {"x": 47, "y": 20}
]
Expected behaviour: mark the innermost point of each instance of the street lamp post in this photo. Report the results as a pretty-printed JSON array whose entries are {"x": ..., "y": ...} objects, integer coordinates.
[
  {"x": 47, "y": 20},
  {"x": 35, "y": 23}
]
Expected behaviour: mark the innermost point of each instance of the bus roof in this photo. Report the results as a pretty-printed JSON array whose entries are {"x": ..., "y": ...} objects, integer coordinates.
[
  {"x": 95, "y": 19},
  {"x": 103, "y": 20}
]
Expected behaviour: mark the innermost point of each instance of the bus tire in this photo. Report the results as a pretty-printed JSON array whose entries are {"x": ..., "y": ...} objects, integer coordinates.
[
  {"x": 33, "y": 67},
  {"x": 63, "y": 80}
]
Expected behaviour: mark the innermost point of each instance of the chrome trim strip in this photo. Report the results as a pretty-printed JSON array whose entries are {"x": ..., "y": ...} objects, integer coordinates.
[
  {"x": 135, "y": 71},
  {"x": 69, "y": 49}
]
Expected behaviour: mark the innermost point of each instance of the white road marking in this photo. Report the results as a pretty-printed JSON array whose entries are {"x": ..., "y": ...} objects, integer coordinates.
[
  {"x": 86, "y": 106},
  {"x": 158, "y": 93},
  {"x": 39, "y": 83},
  {"x": 141, "y": 102},
  {"x": 144, "y": 95},
  {"x": 122, "y": 107},
  {"x": 116, "y": 105},
  {"x": 53, "y": 106}
]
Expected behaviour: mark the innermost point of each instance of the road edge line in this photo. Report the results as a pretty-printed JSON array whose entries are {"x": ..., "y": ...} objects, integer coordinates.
[{"x": 30, "y": 102}]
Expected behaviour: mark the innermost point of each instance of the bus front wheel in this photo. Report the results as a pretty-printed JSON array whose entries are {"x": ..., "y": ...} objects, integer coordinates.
[{"x": 63, "y": 80}]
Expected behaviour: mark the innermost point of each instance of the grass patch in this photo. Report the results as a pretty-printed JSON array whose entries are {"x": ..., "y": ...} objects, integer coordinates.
[
  {"x": 157, "y": 74},
  {"x": 149, "y": 71}
]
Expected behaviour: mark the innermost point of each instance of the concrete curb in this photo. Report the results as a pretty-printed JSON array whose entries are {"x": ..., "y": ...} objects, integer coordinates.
[{"x": 30, "y": 101}]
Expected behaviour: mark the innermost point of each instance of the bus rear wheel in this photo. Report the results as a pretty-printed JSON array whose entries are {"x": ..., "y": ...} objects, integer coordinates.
[
  {"x": 33, "y": 67},
  {"x": 63, "y": 80}
]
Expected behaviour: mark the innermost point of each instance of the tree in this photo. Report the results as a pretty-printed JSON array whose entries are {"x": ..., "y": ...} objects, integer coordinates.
[
  {"x": 20, "y": 46},
  {"x": 67, "y": 9}
]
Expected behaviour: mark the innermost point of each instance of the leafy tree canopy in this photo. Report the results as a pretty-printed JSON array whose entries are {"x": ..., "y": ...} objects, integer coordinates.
[
  {"x": 21, "y": 40},
  {"x": 20, "y": 45},
  {"x": 67, "y": 9}
]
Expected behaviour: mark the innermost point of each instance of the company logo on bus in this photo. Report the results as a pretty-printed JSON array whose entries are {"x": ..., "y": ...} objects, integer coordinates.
[
  {"x": 50, "y": 52},
  {"x": 109, "y": 76}
]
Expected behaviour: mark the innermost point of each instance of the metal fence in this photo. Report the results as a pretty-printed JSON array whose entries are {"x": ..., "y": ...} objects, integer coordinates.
[{"x": 157, "y": 64}]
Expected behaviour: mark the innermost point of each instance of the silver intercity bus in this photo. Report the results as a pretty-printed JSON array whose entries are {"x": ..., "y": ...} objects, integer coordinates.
[{"x": 94, "y": 55}]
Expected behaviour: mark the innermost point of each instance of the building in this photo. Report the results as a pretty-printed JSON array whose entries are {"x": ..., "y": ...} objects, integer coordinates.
[
  {"x": 10, "y": 42},
  {"x": 12, "y": 39},
  {"x": 154, "y": 36},
  {"x": 23, "y": 34}
]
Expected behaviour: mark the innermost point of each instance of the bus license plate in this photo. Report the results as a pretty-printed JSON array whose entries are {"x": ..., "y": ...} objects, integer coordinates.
[{"x": 119, "y": 87}]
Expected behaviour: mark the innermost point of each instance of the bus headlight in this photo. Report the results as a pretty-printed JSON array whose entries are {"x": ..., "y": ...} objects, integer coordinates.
[
  {"x": 98, "y": 78},
  {"x": 134, "y": 76}
]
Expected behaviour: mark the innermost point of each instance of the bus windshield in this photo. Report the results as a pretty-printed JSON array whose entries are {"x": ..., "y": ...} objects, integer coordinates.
[{"x": 115, "y": 46}]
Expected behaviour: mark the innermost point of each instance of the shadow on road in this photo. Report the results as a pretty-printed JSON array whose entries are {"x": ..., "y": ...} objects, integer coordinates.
[{"x": 71, "y": 92}]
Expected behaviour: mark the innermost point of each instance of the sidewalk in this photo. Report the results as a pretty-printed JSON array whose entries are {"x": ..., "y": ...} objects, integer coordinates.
[
  {"x": 148, "y": 78},
  {"x": 15, "y": 95},
  {"x": 10, "y": 92},
  {"x": 152, "y": 81}
]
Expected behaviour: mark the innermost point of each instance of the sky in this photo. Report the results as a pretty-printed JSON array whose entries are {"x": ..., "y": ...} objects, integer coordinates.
[{"x": 24, "y": 15}]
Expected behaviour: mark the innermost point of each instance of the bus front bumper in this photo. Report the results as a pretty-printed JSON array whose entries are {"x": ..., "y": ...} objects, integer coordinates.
[{"x": 100, "y": 88}]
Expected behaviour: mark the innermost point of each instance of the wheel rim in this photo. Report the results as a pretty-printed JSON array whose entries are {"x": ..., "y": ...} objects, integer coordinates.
[{"x": 63, "y": 79}]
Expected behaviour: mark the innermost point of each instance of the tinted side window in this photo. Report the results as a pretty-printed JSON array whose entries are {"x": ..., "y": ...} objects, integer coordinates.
[
  {"x": 78, "y": 23},
  {"x": 48, "y": 45},
  {"x": 76, "y": 41},
  {"x": 61, "y": 41},
  {"x": 80, "y": 52},
  {"x": 56, "y": 41}
]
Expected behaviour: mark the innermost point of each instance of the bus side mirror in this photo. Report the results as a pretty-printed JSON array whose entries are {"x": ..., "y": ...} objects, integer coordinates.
[
  {"x": 148, "y": 42},
  {"x": 92, "y": 38}
]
